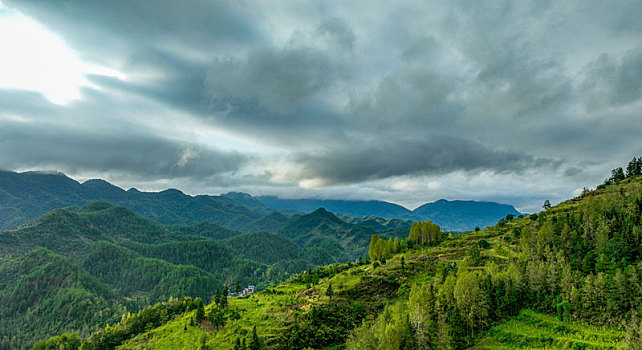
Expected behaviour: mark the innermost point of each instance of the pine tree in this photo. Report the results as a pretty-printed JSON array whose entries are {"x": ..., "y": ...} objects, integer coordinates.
[
  {"x": 255, "y": 341},
  {"x": 631, "y": 169},
  {"x": 329, "y": 292},
  {"x": 547, "y": 205},
  {"x": 217, "y": 297},
  {"x": 200, "y": 311},
  {"x": 617, "y": 175},
  {"x": 223, "y": 299}
]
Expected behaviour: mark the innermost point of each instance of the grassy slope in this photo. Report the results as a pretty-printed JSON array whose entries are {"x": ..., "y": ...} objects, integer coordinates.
[
  {"x": 270, "y": 312},
  {"x": 532, "y": 330}
]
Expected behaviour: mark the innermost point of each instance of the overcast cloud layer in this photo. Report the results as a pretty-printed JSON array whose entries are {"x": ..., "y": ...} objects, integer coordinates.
[{"x": 403, "y": 101}]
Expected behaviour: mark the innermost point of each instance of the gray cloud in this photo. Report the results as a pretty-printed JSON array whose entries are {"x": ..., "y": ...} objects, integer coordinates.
[
  {"x": 276, "y": 80},
  {"x": 428, "y": 156},
  {"x": 614, "y": 82},
  {"x": 51, "y": 143}
]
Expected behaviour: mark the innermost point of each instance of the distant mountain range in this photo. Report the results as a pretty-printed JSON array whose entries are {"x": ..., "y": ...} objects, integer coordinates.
[
  {"x": 450, "y": 215},
  {"x": 26, "y": 196}
]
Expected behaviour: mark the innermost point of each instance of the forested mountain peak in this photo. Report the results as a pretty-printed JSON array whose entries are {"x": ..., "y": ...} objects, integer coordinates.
[{"x": 26, "y": 196}]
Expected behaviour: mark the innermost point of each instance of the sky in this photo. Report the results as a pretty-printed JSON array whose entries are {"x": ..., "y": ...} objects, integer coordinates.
[{"x": 404, "y": 101}]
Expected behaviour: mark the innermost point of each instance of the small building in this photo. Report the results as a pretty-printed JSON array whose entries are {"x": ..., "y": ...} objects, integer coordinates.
[{"x": 245, "y": 291}]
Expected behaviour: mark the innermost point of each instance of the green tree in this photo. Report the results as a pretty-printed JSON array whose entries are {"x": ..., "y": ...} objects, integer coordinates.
[
  {"x": 421, "y": 314},
  {"x": 223, "y": 299},
  {"x": 217, "y": 317},
  {"x": 483, "y": 244},
  {"x": 374, "y": 251},
  {"x": 329, "y": 292},
  {"x": 474, "y": 255},
  {"x": 67, "y": 341},
  {"x": 547, "y": 205},
  {"x": 200, "y": 311},
  {"x": 255, "y": 342},
  {"x": 563, "y": 310},
  {"x": 632, "y": 168},
  {"x": 617, "y": 175},
  {"x": 471, "y": 300}
]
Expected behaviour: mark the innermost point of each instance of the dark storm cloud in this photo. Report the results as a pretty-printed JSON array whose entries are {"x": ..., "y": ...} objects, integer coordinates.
[
  {"x": 429, "y": 156},
  {"x": 277, "y": 80},
  {"x": 180, "y": 86},
  {"x": 52, "y": 143}
]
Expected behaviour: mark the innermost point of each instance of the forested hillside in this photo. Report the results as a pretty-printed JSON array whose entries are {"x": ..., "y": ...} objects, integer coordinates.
[
  {"x": 74, "y": 269},
  {"x": 574, "y": 270}
]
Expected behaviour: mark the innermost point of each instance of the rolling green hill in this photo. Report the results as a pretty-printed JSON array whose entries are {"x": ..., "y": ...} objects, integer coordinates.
[
  {"x": 122, "y": 262},
  {"x": 323, "y": 229},
  {"x": 575, "y": 271},
  {"x": 43, "y": 293}
]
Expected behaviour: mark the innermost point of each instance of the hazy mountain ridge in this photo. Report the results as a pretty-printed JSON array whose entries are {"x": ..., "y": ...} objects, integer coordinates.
[
  {"x": 26, "y": 196},
  {"x": 457, "y": 215}
]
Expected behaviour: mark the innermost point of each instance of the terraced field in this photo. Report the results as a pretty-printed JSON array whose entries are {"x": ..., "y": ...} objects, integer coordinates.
[{"x": 532, "y": 330}]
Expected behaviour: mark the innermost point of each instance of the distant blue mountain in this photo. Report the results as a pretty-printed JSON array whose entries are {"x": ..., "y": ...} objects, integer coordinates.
[
  {"x": 346, "y": 207},
  {"x": 464, "y": 215},
  {"x": 450, "y": 215}
]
